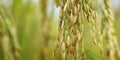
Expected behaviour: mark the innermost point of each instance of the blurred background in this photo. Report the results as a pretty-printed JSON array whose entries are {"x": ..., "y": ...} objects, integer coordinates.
[{"x": 37, "y": 21}]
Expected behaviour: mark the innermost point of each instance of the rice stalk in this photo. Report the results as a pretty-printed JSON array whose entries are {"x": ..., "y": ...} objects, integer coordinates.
[
  {"x": 112, "y": 46},
  {"x": 90, "y": 15},
  {"x": 10, "y": 46},
  {"x": 70, "y": 29},
  {"x": 72, "y": 15}
]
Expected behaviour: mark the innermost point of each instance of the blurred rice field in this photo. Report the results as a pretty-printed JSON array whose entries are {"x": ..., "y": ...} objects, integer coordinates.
[{"x": 36, "y": 24}]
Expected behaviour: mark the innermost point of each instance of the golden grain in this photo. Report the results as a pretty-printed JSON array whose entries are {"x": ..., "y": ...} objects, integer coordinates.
[
  {"x": 113, "y": 48},
  {"x": 72, "y": 15}
]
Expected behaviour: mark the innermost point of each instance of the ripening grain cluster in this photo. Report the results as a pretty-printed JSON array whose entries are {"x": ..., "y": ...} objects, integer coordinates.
[{"x": 71, "y": 25}]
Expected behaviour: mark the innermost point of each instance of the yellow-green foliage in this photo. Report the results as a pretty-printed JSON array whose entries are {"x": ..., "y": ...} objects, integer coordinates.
[{"x": 9, "y": 42}]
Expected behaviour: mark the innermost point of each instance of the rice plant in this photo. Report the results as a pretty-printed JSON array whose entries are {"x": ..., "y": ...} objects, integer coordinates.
[
  {"x": 59, "y": 30},
  {"x": 10, "y": 45},
  {"x": 72, "y": 15}
]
